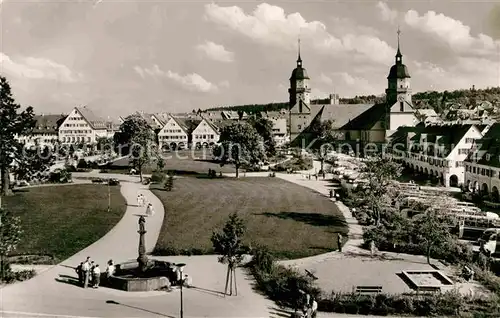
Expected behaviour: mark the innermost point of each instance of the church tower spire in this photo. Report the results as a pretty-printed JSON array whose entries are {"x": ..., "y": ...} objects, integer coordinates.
[
  {"x": 399, "y": 56},
  {"x": 299, "y": 59}
]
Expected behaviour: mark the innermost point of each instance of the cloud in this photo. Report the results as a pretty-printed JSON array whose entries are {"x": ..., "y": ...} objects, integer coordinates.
[
  {"x": 37, "y": 68},
  {"x": 465, "y": 72},
  {"x": 325, "y": 79},
  {"x": 192, "y": 81},
  {"x": 270, "y": 25},
  {"x": 348, "y": 84},
  {"x": 386, "y": 13},
  {"x": 216, "y": 52}
]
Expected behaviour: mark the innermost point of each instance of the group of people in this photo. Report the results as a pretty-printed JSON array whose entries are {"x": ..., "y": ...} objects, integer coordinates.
[
  {"x": 309, "y": 308},
  {"x": 141, "y": 201},
  {"x": 89, "y": 273}
]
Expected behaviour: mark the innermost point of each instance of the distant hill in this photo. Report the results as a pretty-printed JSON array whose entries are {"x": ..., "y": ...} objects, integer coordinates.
[{"x": 439, "y": 101}]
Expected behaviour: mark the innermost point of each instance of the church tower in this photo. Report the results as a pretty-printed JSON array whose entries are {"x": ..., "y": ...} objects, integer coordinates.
[
  {"x": 299, "y": 84},
  {"x": 399, "y": 107},
  {"x": 299, "y": 99}
]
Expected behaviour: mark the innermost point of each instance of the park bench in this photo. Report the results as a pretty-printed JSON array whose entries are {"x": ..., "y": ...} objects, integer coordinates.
[{"x": 368, "y": 289}]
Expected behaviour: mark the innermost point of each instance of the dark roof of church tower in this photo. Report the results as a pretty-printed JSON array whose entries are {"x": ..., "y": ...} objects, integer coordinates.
[
  {"x": 299, "y": 73},
  {"x": 399, "y": 70}
]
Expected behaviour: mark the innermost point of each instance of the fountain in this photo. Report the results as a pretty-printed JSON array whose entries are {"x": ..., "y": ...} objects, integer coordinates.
[{"x": 142, "y": 274}]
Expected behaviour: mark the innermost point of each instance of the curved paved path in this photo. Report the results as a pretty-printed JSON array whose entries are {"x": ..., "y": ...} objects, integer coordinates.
[{"x": 51, "y": 295}]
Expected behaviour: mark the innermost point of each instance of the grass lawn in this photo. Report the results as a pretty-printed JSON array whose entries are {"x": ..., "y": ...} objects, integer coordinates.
[
  {"x": 182, "y": 162},
  {"x": 292, "y": 221},
  {"x": 60, "y": 221}
]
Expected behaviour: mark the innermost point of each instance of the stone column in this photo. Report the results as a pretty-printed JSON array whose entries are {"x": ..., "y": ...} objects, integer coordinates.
[{"x": 142, "y": 259}]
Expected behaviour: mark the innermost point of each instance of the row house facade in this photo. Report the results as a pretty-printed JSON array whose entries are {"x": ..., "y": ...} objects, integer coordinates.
[
  {"x": 206, "y": 134},
  {"x": 482, "y": 167},
  {"x": 82, "y": 126},
  {"x": 45, "y": 133},
  {"x": 436, "y": 151},
  {"x": 174, "y": 134}
]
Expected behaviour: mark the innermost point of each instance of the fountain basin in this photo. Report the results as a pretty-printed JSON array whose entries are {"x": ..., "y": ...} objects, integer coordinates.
[{"x": 127, "y": 276}]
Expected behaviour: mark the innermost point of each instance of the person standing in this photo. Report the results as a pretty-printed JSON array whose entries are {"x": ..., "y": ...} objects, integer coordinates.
[
  {"x": 110, "y": 270},
  {"x": 96, "y": 276},
  {"x": 339, "y": 241},
  {"x": 86, "y": 272},
  {"x": 91, "y": 273},
  {"x": 79, "y": 271},
  {"x": 150, "y": 210},
  {"x": 139, "y": 199},
  {"x": 314, "y": 308}
]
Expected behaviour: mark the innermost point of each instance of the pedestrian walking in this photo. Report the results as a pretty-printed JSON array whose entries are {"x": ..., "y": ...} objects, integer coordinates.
[
  {"x": 110, "y": 270},
  {"x": 150, "y": 210},
  {"x": 339, "y": 241},
  {"x": 96, "y": 276},
  {"x": 316, "y": 176},
  {"x": 79, "y": 271},
  {"x": 86, "y": 272}
]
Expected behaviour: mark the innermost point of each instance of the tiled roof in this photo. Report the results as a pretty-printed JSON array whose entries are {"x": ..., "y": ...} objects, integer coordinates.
[
  {"x": 367, "y": 119},
  {"x": 488, "y": 151},
  {"x": 95, "y": 121},
  {"x": 48, "y": 124},
  {"x": 341, "y": 114}
]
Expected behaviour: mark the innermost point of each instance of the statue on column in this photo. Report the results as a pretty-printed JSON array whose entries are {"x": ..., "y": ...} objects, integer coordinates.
[{"x": 142, "y": 259}]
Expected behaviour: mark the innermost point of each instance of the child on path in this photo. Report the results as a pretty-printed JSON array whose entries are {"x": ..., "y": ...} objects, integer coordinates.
[{"x": 96, "y": 276}]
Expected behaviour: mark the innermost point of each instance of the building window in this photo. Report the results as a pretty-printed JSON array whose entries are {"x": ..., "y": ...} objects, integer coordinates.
[{"x": 401, "y": 106}]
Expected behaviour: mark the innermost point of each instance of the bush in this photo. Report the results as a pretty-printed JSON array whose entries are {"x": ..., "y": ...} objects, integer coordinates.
[
  {"x": 10, "y": 276},
  {"x": 82, "y": 164},
  {"x": 281, "y": 284},
  {"x": 446, "y": 304},
  {"x": 157, "y": 176}
]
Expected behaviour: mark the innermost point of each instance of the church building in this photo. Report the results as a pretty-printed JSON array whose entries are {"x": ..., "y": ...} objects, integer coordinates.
[{"x": 357, "y": 124}]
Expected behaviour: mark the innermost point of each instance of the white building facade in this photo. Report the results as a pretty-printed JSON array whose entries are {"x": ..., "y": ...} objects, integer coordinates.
[
  {"x": 83, "y": 127},
  {"x": 439, "y": 151},
  {"x": 174, "y": 135},
  {"x": 205, "y": 134}
]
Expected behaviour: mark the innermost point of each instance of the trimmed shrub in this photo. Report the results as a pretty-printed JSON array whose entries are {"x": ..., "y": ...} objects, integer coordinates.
[{"x": 157, "y": 176}]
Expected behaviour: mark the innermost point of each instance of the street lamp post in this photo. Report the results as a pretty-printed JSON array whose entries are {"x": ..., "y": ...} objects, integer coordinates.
[{"x": 181, "y": 269}]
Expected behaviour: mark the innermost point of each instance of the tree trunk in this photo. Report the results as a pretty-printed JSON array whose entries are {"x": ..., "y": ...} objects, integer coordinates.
[
  {"x": 322, "y": 161},
  {"x": 231, "y": 283},
  {"x": 5, "y": 181},
  {"x": 227, "y": 281},
  {"x": 235, "y": 285},
  {"x": 237, "y": 168}
]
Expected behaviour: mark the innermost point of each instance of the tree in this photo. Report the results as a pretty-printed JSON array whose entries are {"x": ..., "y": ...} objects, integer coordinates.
[
  {"x": 10, "y": 235},
  {"x": 229, "y": 245},
  {"x": 325, "y": 134},
  {"x": 432, "y": 230},
  {"x": 264, "y": 128},
  {"x": 136, "y": 139},
  {"x": 169, "y": 182},
  {"x": 240, "y": 144},
  {"x": 381, "y": 174},
  {"x": 30, "y": 162},
  {"x": 12, "y": 123}
]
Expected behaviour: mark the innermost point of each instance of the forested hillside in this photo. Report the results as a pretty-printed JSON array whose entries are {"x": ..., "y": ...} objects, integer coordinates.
[{"x": 439, "y": 101}]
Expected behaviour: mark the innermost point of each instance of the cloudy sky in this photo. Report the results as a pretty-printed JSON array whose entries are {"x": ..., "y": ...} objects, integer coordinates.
[{"x": 164, "y": 55}]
